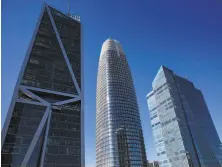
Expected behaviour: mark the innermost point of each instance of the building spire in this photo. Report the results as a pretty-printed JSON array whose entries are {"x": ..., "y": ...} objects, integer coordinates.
[{"x": 68, "y": 7}]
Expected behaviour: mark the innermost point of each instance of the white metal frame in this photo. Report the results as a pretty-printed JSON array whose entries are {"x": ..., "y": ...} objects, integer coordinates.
[
  {"x": 67, "y": 101},
  {"x": 27, "y": 92},
  {"x": 48, "y": 91},
  {"x": 35, "y": 138},
  {"x": 45, "y": 138},
  {"x": 30, "y": 102}
]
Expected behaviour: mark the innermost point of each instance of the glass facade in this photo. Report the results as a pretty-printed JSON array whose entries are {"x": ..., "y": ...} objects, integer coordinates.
[
  {"x": 119, "y": 138},
  {"x": 23, "y": 125},
  {"x": 44, "y": 125},
  {"x": 153, "y": 164},
  {"x": 183, "y": 131}
]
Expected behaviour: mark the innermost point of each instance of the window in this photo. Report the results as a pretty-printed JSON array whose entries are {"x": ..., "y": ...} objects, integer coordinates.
[{"x": 33, "y": 61}]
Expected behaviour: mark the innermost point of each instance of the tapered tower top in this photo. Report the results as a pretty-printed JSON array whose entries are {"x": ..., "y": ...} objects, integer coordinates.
[{"x": 111, "y": 44}]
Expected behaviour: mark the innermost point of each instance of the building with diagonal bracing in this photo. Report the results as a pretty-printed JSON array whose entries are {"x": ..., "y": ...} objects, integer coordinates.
[{"x": 44, "y": 124}]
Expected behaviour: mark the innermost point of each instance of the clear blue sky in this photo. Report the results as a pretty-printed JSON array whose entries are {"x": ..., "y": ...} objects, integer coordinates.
[{"x": 184, "y": 35}]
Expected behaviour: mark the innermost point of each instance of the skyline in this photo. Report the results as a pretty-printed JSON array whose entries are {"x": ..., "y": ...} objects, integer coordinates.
[{"x": 203, "y": 49}]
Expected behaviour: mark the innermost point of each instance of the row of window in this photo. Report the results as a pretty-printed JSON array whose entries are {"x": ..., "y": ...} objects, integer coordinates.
[
  {"x": 156, "y": 124},
  {"x": 169, "y": 121}
]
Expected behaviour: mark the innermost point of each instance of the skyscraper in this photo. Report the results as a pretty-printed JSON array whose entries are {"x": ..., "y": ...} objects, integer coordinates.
[
  {"x": 183, "y": 130},
  {"x": 119, "y": 137},
  {"x": 44, "y": 124}
]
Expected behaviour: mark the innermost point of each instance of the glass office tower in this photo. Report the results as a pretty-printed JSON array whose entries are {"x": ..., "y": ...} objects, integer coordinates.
[
  {"x": 183, "y": 130},
  {"x": 44, "y": 124},
  {"x": 119, "y": 137}
]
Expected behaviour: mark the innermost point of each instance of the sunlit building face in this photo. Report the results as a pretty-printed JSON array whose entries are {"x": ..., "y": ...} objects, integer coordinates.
[
  {"x": 119, "y": 138},
  {"x": 183, "y": 131}
]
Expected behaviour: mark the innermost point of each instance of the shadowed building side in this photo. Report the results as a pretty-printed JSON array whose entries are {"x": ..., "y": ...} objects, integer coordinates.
[
  {"x": 124, "y": 159},
  {"x": 44, "y": 124}
]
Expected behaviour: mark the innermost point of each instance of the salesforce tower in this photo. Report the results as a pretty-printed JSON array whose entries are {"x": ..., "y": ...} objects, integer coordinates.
[{"x": 119, "y": 137}]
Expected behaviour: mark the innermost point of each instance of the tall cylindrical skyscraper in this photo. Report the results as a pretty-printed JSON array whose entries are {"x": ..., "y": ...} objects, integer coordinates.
[{"x": 119, "y": 137}]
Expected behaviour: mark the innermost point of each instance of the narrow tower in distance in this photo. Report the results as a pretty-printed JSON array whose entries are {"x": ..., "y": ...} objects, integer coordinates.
[
  {"x": 119, "y": 137},
  {"x": 183, "y": 130},
  {"x": 44, "y": 124}
]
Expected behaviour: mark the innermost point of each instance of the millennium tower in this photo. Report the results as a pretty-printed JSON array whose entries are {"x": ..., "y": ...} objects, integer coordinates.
[
  {"x": 44, "y": 124},
  {"x": 183, "y": 130},
  {"x": 119, "y": 137}
]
